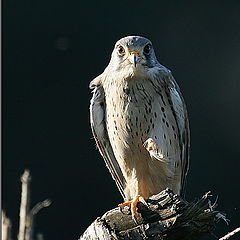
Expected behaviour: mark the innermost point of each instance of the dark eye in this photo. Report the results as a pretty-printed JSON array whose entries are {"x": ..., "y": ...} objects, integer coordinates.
[
  {"x": 121, "y": 50},
  {"x": 147, "y": 49}
]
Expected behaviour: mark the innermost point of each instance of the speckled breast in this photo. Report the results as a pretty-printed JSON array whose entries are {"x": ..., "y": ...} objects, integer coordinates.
[{"x": 129, "y": 118}]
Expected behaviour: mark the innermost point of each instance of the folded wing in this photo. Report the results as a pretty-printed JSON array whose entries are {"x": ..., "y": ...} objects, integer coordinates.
[{"x": 98, "y": 125}]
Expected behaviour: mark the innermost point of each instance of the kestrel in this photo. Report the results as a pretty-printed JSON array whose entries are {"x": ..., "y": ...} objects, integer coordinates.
[{"x": 140, "y": 123}]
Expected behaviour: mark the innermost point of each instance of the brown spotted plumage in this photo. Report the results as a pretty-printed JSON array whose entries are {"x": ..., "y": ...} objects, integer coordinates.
[{"x": 139, "y": 121}]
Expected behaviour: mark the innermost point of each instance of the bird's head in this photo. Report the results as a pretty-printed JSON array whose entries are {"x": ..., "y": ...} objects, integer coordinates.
[{"x": 133, "y": 52}]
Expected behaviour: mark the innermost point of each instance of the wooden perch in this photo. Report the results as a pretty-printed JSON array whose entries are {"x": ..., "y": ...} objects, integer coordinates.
[{"x": 167, "y": 217}]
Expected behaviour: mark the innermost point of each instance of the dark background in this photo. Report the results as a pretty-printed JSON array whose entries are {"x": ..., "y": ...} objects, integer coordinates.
[{"x": 52, "y": 49}]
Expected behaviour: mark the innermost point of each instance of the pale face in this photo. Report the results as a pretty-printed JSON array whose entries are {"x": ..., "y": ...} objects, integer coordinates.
[{"x": 135, "y": 53}]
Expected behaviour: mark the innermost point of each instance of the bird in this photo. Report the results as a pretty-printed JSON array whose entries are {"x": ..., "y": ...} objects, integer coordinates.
[{"x": 140, "y": 123}]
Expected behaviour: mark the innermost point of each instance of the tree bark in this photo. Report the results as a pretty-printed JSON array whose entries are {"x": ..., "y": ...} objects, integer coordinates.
[{"x": 167, "y": 217}]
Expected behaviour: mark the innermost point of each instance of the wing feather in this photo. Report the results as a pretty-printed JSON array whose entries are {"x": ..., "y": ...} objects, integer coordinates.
[
  {"x": 181, "y": 115},
  {"x": 97, "y": 119},
  {"x": 165, "y": 80}
]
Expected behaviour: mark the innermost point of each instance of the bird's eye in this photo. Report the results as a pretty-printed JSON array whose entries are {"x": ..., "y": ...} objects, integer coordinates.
[
  {"x": 147, "y": 49},
  {"x": 121, "y": 50}
]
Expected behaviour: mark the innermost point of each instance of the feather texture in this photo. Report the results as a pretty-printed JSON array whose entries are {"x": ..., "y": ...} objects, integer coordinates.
[
  {"x": 98, "y": 125},
  {"x": 140, "y": 123}
]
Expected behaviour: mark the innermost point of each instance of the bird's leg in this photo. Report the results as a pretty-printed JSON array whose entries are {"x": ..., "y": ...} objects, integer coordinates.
[
  {"x": 153, "y": 149},
  {"x": 150, "y": 145},
  {"x": 133, "y": 203}
]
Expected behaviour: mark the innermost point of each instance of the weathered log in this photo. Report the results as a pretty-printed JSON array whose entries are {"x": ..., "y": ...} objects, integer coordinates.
[{"x": 167, "y": 217}]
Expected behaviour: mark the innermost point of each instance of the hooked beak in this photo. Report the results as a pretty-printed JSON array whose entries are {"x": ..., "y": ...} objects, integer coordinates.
[{"x": 134, "y": 58}]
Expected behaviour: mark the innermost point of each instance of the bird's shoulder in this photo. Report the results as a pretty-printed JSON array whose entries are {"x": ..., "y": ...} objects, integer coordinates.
[{"x": 96, "y": 82}]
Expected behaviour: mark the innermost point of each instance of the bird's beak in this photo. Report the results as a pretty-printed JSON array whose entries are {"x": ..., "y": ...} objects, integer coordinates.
[{"x": 134, "y": 58}]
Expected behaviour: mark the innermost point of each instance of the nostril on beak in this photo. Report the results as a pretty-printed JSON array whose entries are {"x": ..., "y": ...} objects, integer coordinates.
[{"x": 134, "y": 59}]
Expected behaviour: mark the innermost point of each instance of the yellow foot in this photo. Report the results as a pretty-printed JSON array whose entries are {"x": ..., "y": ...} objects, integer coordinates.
[{"x": 133, "y": 205}]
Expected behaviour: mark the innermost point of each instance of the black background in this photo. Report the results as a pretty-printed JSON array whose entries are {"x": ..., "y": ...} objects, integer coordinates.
[{"x": 53, "y": 49}]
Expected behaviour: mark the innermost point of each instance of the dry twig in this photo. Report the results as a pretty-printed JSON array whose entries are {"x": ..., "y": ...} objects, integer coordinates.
[{"x": 227, "y": 236}]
